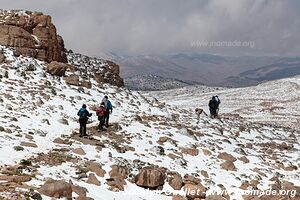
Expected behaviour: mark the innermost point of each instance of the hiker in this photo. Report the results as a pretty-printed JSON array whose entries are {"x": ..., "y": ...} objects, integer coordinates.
[
  {"x": 218, "y": 104},
  {"x": 84, "y": 115},
  {"x": 198, "y": 112},
  {"x": 100, "y": 112},
  {"x": 214, "y": 106},
  {"x": 108, "y": 107}
]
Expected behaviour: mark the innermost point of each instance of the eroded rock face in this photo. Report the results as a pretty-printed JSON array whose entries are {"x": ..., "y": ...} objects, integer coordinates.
[{"x": 31, "y": 34}]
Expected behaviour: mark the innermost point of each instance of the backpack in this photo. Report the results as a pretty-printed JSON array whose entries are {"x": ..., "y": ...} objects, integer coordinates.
[
  {"x": 109, "y": 105},
  {"x": 100, "y": 112},
  {"x": 82, "y": 113}
]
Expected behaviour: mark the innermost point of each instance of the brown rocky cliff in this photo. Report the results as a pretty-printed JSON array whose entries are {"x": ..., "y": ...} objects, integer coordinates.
[
  {"x": 31, "y": 34},
  {"x": 103, "y": 71}
]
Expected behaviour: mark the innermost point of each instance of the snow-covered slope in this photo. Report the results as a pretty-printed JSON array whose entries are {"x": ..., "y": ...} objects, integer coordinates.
[
  {"x": 275, "y": 102},
  {"x": 39, "y": 138}
]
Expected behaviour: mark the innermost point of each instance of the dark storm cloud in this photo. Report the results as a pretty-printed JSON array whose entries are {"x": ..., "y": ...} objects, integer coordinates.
[{"x": 162, "y": 26}]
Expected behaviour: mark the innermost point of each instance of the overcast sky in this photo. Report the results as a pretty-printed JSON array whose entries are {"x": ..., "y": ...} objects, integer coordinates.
[{"x": 270, "y": 27}]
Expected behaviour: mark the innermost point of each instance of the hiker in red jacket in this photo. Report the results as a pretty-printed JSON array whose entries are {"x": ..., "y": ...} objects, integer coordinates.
[{"x": 100, "y": 112}]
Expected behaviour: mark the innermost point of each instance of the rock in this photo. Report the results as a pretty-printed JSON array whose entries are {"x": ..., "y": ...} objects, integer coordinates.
[
  {"x": 15, "y": 179},
  {"x": 175, "y": 180},
  {"x": 118, "y": 172},
  {"x": 178, "y": 197},
  {"x": 80, "y": 191},
  {"x": 29, "y": 137},
  {"x": 111, "y": 72},
  {"x": 83, "y": 198},
  {"x": 226, "y": 156},
  {"x": 79, "y": 151},
  {"x": 92, "y": 179},
  {"x": 204, "y": 173},
  {"x": 31, "y": 34},
  {"x": 2, "y": 58},
  {"x": 59, "y": 141},
  {"x": 56, "y": 189},
  {"x": 28, "y": 144},
  {"x": 190, "y": 151},
  {"x": 206, "y": 152},
  {"x": 151, "y": 177},
  {"x": 64, "y": 121},
  {"x": 164, "y": 139},
  {"x": 57, "y": 68},
  {"x": 36, "y": 196},
  {"x": 95, "y": 167},
  {"x": 245, "y": 185},
  {"x": 244, "y": 159},
  {"x": 228, "y": 165},
  {"x": 194, "y": 191},
  {"x": 188, "y": 179},
  {"x": 18, "y": 148},
  {"x": 215, "y": 197},
  {"x": 116, "y": 184},
  {"x": 72, "y": 80}
]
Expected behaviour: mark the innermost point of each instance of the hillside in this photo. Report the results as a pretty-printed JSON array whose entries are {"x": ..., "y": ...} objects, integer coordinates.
[
  {"x": 151, "y": 150},
  {"x": 274, "y": 102},
  {"x": 208, "y": 69},
  {"x": 39, "y": 141},
  {"x": 153, "y": 83}
]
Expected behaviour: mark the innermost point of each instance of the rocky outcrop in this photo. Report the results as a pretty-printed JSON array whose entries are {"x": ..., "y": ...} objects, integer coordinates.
[
  {"x": 103, "y": 71},
  {"x": 31, "y": 34}
]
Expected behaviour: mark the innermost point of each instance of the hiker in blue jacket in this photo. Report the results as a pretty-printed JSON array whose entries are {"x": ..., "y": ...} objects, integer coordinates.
[
  {"x": 84, "y": 115},
  {"x": 108, "y": 107}
]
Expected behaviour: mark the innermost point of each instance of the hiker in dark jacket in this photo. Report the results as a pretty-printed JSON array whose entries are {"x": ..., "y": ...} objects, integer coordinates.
[
  {"x": 100, "y": 112},
  {"x": 218, "y": 104},
  {"x": 108, "y": 107},
  {"x": 84, "y": 115},
  {"x": 214, "y": 106}
]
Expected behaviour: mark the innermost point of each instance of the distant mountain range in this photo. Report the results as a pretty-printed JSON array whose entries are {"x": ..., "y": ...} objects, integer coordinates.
[{"x": 207, "y": 69}]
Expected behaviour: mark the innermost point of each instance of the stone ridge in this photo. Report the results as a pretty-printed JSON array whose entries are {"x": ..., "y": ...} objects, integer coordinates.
[{"x": 31, "y": 34}]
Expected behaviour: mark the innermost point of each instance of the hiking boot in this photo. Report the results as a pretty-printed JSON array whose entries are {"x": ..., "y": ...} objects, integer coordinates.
[{"x": 80, "y": 136}]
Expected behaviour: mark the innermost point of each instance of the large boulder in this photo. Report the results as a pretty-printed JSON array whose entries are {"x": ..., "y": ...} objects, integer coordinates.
[
  {"x": 151, "y": 177},
  {"x": 31, "y": 34},
  {"x": 57, "y": 68},
  {"x": 56, "y": 189}
]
